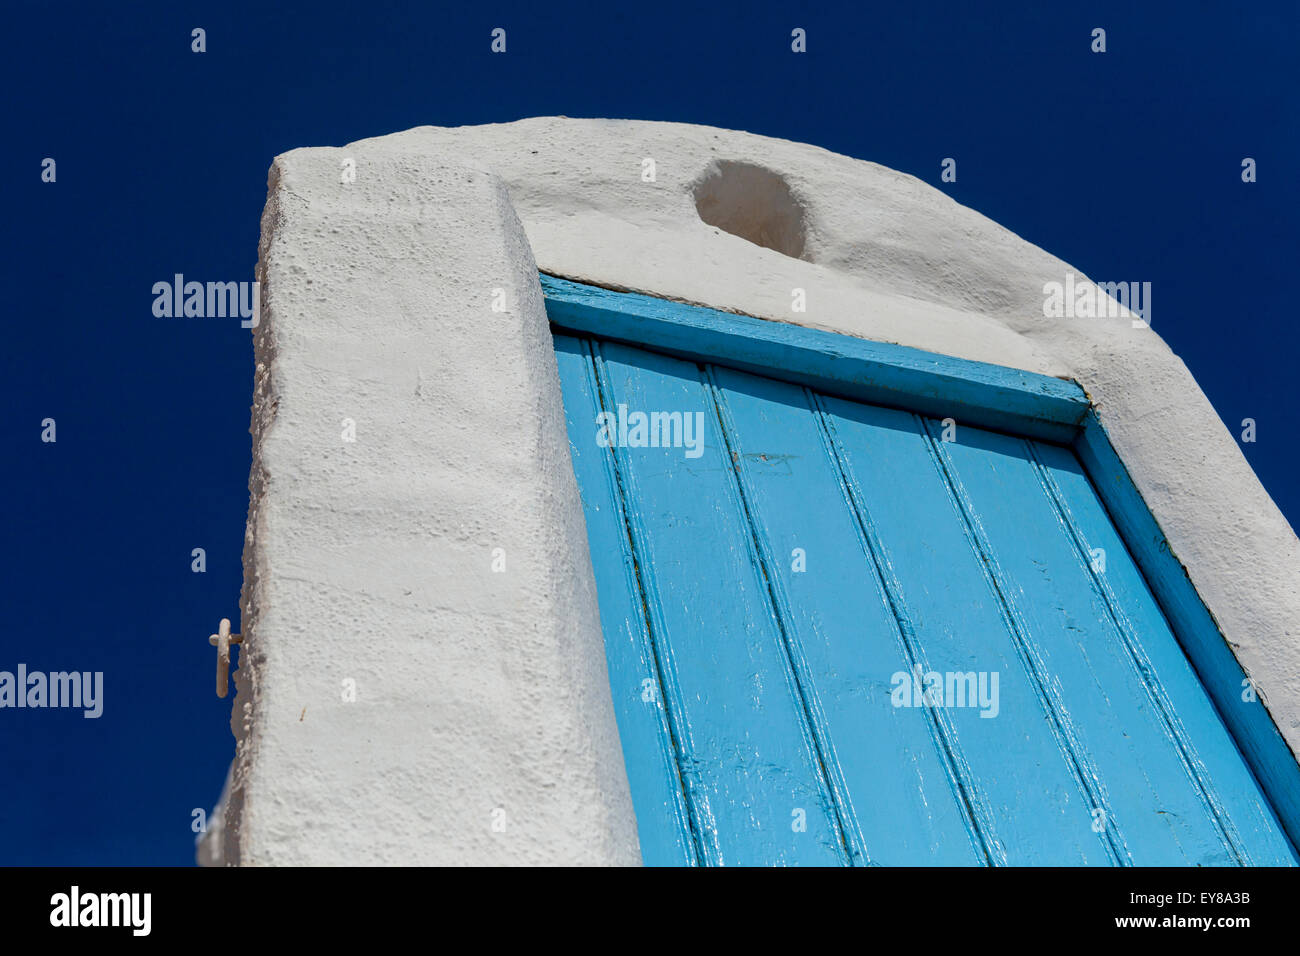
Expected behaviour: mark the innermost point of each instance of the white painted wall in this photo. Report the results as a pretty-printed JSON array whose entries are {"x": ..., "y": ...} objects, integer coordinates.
[
  {"x": 477, "y": 693},
  {"x": 371, "y": 560}
]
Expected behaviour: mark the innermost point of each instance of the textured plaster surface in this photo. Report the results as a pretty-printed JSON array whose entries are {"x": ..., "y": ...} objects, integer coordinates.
[
  {"x": 369, "y": 560},
  {"x": 482, "y": 729}
]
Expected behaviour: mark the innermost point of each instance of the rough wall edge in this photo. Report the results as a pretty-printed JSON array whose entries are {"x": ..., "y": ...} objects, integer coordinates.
[
  {"x": 619, "y": 844},
  {"x": 252, "y": 594},
  {"x": 236, "y": 841}
]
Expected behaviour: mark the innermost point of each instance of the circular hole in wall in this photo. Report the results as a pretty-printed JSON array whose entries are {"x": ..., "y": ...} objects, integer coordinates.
[{"x": 753, "y": 203}]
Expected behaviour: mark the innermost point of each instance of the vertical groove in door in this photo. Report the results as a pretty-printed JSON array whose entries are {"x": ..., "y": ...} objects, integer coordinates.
[
  {"x": 1086, "y": 775},
  {"x": 979, "y": 818},
  {"x": 649, "y": 604},
  {"x": 964, "y": 552},
  {"x": 1143, "y": 667},
  {"x": 851, "y": 838}
]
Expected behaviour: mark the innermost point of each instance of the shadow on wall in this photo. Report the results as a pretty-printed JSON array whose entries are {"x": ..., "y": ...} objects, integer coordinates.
[{"x": 753, "y": 203}]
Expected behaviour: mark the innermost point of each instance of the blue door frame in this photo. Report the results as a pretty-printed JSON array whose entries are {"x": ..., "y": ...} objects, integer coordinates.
[{"x": 990, "y": 397}]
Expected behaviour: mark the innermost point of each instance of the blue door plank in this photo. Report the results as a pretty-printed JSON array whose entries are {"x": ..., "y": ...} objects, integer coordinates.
[
  {"x": 1148, "y": 812},
  {"x": 649, "y": 753},
  {"x": 1266, "y": 752},
  {"x": 1106, "y": 695},
  {"x": 1217, "y": 762},
  {"x": 1028, "y": 793},
  {"x": 749, "y": 762},
  {"x": 887, "y": 763}
]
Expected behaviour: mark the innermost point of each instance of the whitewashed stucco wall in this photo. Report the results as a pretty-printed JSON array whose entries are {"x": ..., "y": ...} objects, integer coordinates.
[
  {"x": 482, "y": 728},
  {"x": 481, "y": 691}
]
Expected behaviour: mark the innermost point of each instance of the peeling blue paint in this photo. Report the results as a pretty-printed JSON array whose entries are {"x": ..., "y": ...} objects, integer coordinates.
[{"x": 760, "y": 603}]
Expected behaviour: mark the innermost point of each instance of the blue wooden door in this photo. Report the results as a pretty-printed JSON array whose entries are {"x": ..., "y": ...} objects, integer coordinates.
[{"x": 845, "y": 634}]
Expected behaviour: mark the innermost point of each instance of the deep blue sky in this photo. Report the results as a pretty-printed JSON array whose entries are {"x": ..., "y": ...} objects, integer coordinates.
[{"x": 1126, "y": 165}]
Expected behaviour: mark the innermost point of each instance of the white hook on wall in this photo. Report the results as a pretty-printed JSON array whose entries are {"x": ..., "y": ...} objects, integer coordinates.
[{"x": 222, "y": 641}]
